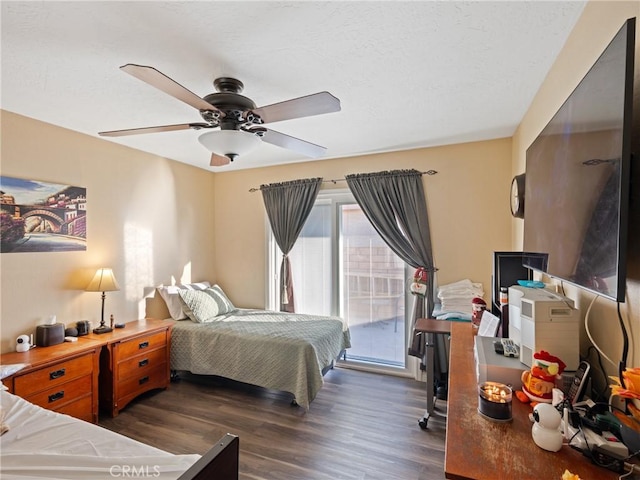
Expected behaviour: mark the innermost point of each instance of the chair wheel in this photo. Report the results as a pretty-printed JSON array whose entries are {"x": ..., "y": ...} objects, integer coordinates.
[{"x": 423, "y": 424}]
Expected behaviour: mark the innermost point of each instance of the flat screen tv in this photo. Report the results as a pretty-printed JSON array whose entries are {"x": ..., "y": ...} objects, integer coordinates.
[{"x": 578, "y": 176}]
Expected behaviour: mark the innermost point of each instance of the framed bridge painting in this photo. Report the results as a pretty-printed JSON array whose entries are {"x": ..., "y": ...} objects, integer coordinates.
[{"x": 39, "y": 216}]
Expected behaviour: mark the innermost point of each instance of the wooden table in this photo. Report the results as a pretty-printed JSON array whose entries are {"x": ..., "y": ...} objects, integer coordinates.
[
  {"x": 477, "y": 448},
  {"x": 430, "y": 327}
]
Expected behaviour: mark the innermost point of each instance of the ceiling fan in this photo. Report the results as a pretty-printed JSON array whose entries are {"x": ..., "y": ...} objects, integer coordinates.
[{"x": 238, "y": 123}]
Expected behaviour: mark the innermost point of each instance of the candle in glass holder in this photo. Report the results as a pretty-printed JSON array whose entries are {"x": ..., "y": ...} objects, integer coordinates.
[{"x": 495, "y": 401}]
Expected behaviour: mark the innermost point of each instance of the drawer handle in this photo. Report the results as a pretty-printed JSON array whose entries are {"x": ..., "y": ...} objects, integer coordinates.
[
  {"x": 143, "y": 345},
  {"x": 56, "y": 396},
  {"x": 143, "y": 380},
  {"x": 57, "y": 374},
  {"x": 144, "y": 362}
]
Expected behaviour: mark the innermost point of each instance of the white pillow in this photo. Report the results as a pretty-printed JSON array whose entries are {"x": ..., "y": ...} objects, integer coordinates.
[
  {"x": 206, "y": 305},
  {"x": 172, "y": 299}
]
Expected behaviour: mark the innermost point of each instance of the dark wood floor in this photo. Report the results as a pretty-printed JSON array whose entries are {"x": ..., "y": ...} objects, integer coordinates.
[{"x": 360, "y": 426}]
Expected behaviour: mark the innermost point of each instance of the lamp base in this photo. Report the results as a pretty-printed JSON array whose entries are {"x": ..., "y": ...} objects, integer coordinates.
[{"x": 102, "y": 329}]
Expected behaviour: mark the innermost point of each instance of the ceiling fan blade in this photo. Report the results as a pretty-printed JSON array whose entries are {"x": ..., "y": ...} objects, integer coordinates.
[
  {"x": 218, "y": 160},
  {"x": 162, "y": 128},
  {"x": 315, "y": 104},
  {"x": 157, "y": 79},
  {"x": 292, "y": 143}
]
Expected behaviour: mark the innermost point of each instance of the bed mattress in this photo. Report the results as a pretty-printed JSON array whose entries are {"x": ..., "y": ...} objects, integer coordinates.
[
  {"x": 41, "y": 444},
  {"x": 275, "y": 350}
]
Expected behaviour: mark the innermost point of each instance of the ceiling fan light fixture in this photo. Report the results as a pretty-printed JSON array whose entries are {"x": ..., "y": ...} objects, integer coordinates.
[{"x": 230, "y": 143}]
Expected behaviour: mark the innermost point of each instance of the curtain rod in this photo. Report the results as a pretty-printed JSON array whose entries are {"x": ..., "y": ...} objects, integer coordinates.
[{"x": 336, "y": 180}]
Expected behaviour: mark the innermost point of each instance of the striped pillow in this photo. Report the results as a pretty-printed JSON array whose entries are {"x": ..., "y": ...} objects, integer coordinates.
[{"x": 203, "y": 306}]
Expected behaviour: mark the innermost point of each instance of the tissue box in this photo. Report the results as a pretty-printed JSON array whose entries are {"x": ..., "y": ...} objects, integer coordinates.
[{"x": 47, "y": 335}]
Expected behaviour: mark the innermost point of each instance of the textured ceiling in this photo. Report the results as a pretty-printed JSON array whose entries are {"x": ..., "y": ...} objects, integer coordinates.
[{"x": 408, "y": 74}]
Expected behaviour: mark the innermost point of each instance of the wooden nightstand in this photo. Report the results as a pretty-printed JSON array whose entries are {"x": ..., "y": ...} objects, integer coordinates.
[
  {"x": 133, "y": 360},
  {"x": 63, "y": 377}
]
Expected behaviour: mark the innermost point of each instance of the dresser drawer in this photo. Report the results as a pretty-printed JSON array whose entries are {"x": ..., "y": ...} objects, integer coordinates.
[
  {"x": 130, "y": 348},
  {"x": 135, "y": 385},
  {"x": 55, "y": 397},
  {"x": 133, "y": 360},
  {"x": 81, "y": 408},
  {"x": 50, "y": 377},
  {"x": 140, "y": 365}
]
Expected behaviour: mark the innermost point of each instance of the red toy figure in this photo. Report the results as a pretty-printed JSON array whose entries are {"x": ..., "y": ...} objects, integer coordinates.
[{"x": 540, "y": 380}]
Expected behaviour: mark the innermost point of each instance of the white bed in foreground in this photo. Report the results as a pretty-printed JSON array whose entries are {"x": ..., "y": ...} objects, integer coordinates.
[{"x": 41, "y": 444}]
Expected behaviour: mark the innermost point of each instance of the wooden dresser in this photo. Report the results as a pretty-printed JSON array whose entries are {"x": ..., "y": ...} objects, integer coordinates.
[
  {"x": 133, "y": 360},
  {"x": 63, "y": 377},
  {"x": 104, "y": 371}
]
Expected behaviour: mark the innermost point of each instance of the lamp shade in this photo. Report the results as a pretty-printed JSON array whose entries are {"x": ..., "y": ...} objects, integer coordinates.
[
  {"x": 229, "y": 142},
  {"x": 103, "y": 281}
]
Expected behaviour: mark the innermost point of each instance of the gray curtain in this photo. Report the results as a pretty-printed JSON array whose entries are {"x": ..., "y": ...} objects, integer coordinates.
[
  {"x": 395, "y": 204},
  {"x": 288, "y": 205}
]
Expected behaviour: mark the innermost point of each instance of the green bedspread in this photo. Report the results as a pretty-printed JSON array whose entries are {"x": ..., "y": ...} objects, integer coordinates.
[{"x": 275, "y": 350}]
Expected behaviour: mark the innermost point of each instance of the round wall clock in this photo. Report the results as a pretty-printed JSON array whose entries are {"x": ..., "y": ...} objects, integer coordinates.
[{"x": 517, "y": 196}]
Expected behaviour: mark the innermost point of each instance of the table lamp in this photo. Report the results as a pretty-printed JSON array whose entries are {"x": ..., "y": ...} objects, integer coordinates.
[{"x": 103, "y": 281}]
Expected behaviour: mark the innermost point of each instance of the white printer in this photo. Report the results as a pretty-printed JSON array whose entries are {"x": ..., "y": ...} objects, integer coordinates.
[{"x": 540, "y": 319}]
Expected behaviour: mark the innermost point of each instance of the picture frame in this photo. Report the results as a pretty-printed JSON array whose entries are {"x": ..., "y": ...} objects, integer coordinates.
[{"x": 38, "y": 216}]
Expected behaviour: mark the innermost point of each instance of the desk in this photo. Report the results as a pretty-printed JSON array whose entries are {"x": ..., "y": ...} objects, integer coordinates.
[
  {"x": 430, "y": 327},
  {"x": 476, "y": 448}
]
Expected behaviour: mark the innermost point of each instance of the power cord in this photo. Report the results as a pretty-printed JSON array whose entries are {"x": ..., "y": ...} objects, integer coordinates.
[
  {"x": 632, "y": 468},
  {"x": 604, "y": 459},
  {"x": 602, "y": 372},
  {"x": 577, "y": 419},
  {"x": 625, "y": 348}
]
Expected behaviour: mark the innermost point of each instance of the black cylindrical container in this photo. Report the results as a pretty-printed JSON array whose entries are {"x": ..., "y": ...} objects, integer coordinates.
[
  {"x": 83, "y": 327},
  {"x": 494, "y": 401}
]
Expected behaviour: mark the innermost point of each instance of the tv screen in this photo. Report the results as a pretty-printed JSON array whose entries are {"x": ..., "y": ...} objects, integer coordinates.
[{"x": 577, "y": 178}]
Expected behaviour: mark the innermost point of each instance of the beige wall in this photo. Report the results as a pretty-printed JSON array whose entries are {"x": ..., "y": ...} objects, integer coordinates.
[
  {"x": 593, "y": 32},
  {"x": 467, "y": 203},
  {"x": 156, "y": 221},
  {"x": 149, "y": 218}
]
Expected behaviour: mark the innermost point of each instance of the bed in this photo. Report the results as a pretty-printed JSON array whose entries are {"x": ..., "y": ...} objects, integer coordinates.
[
  {"x": 274, "y": 350},
  {"x": 42, "y": 444}
]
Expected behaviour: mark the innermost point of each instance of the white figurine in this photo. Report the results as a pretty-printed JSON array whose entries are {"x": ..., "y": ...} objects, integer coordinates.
[
  {"x": 23, "y": 343},
  {"x": 546, "y": 427}
]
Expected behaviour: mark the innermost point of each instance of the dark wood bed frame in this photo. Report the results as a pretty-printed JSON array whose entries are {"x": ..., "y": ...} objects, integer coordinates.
[{"x": 221, "y": 462}]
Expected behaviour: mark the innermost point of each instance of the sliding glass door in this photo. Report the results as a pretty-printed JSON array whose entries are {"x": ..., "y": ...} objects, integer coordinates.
[
  {"x": 372, "y": 293},
  {"x": 341, "y": 266}
]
